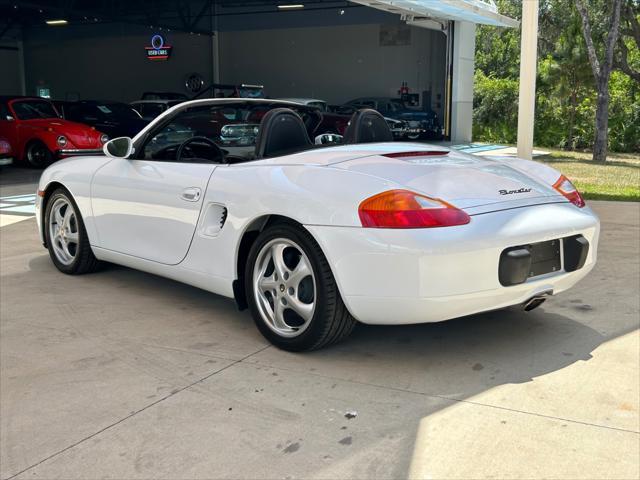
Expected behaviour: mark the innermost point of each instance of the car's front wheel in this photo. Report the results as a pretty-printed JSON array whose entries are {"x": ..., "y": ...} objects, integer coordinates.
[
  {"x": 38, "y": 155},
  {"x": 292, "y": 293},
  {"x": 66, "y": 236}
]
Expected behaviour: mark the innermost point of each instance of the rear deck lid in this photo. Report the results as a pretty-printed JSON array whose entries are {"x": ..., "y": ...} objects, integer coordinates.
[{"x": 474, "y": 184}]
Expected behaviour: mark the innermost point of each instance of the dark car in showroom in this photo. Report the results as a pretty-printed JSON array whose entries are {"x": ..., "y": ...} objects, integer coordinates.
[
  {"x": 422, "y": 124},
  {"x": 113, "y": 118}
]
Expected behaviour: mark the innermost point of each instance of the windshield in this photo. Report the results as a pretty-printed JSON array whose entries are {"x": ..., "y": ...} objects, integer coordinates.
[
  {"x": 104, "y": 111},
  {"x": 397, "y": 106},
  {"x": 251, "y": 92},
  {"x": 32, "y": 109},
  {"x": 229, "y": 126},
  {"x": 322, "y": 106},
  {"x": 163, "y": 96},
  {"x": 117, "y": 110}
]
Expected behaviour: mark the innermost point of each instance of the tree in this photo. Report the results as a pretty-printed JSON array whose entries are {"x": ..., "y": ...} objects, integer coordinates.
[
  {"x": 601, "y": 73},
  {"x": 566, "y": 74},
  {"x": 630, "y": 28}
]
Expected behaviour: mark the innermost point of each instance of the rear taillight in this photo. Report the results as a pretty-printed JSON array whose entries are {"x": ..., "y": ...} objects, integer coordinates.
[
  {"x": 566, "y": 188},
  {"x": 405, "y": 209}
]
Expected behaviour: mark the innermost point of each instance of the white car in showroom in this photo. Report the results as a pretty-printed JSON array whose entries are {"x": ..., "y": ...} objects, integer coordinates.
[{"x": 233, "y": 196}]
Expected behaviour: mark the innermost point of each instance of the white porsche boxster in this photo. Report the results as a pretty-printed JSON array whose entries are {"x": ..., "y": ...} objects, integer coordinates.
[{"x": 233, "y": 196}]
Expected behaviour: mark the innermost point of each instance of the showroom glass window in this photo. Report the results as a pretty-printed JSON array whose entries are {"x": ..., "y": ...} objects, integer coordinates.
[{"x": 32, "y": 109}]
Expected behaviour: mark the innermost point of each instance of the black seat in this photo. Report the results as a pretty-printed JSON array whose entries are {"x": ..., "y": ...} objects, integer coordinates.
[
  {"x": 367, "y": 126},
  {"x": 282, "y": 131}
]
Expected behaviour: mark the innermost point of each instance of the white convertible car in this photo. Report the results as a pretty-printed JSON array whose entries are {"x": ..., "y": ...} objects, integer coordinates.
[{"x": 232, "y": 196}]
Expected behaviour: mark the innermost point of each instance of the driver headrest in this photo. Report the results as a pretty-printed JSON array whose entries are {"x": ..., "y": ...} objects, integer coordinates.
[
  {"x": 367, "y": 126},
  {"x": 282, "y": 131}
]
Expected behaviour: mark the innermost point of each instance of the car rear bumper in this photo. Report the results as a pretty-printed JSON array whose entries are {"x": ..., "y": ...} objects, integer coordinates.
[
  {"x": 5, "y": 161},
  {"x": 75, "y": 152},
  {"x": 427, "y": 275}
]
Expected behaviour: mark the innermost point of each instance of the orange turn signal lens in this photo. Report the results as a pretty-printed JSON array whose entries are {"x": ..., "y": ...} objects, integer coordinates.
[{"x": 406, "y": 209}]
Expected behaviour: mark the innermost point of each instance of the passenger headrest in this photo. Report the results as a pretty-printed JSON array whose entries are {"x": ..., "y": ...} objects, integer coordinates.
[
  {"x": 282, "y": 131},
  {"x": 367, "y": 126}
]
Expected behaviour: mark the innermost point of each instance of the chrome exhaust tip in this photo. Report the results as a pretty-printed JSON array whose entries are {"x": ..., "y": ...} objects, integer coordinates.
[{"x": 535, "y": 301}]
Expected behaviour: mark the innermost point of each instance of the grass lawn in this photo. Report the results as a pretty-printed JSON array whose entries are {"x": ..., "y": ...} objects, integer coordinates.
[{"x": 617, "y": 179}]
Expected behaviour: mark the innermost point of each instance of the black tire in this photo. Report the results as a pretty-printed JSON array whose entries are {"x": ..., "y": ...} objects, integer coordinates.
[
  {"x": 37, "y": 154},
  {"x": 331, "y": 322},
  {"x": 84, "y": 260}
]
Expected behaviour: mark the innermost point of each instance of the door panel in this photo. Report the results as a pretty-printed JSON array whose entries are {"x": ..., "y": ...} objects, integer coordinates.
[{"x": 149, "y": 209}]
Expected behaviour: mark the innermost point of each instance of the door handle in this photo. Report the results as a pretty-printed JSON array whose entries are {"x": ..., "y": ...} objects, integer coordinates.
[{"x": 191, "y": 194}]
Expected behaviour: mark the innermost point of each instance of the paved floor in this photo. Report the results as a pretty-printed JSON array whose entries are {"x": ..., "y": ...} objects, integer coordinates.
[{"x": 121, "y": 374}]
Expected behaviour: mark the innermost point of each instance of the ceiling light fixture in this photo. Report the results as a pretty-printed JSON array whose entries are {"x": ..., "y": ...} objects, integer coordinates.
[
  {"x": 56, "y": 22},
  {"x": 291, "y": 6}
]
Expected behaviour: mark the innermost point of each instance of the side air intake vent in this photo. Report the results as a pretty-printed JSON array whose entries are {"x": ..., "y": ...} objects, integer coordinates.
[
  {"x": 223, "y": 217},
  {"x": 214, "y": 218}
]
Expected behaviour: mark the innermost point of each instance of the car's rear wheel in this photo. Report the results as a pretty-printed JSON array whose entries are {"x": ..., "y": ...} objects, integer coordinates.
[
  {"x": 38, "y": 155},
  {"x": 66, "y": 236},
  {"x": 292, "y": 293}
]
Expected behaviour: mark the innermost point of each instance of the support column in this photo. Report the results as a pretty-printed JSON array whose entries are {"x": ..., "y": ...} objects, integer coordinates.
[
  {"x": 215, "y": 57},
  {"x": 464, "y": 46},
  {"x": 215, "y": 42},
  {"x": 21, "y": 69},
  {"x": 528, "y": 64}
]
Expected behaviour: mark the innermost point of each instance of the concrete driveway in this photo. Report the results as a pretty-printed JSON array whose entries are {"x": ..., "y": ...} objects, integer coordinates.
[{"x": 121, "y": 374}]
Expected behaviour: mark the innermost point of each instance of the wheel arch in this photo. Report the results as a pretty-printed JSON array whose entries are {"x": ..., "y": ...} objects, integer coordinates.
[
  {"x": 248, "y": 238},
  {"x": 48, "y": 191}
]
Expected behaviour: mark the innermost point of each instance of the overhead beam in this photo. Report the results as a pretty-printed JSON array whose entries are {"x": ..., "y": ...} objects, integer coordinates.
[
  {"x": 205, "y": 6},
  {"x": 7, "y": 27}
]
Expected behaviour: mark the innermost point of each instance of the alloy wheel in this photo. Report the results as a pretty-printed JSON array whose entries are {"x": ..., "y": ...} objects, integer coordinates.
[
  {"x": 284, "y": 287},
  {"x": 63, "y": 231}
]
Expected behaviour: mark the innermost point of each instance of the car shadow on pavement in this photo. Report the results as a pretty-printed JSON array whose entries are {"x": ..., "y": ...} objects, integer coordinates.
[{"x": 459, "y": 357}]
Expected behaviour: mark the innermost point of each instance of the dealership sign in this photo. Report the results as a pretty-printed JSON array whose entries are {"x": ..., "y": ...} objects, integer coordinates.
[{"x": 158, "y": 50}]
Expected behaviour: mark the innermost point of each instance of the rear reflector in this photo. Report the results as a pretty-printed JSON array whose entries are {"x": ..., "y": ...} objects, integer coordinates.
[
  {"x": 566, "y": 188},
  {"x": 405, "y": 209}
]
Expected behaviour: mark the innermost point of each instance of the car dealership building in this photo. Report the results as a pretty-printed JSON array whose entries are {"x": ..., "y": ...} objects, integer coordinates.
[{"x": 334, "y": 51}]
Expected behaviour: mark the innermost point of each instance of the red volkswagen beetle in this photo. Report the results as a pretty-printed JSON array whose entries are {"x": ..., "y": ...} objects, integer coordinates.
[{"x": 39, "y": 136}]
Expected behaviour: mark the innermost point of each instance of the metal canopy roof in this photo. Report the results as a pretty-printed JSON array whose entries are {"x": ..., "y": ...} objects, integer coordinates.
[{"x": 476, "y": 11}]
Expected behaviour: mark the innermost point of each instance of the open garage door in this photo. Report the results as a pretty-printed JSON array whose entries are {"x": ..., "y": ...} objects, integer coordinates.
[
  {"x": 443, "y": 15},
  {"x": 362, "y": 54}
]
